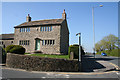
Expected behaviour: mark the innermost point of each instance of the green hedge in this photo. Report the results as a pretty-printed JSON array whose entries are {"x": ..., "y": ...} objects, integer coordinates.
[
  {"x": 17, "y": 49},
  {"x": 75, "y": 49},
  {"x": 113, "y": 52}
]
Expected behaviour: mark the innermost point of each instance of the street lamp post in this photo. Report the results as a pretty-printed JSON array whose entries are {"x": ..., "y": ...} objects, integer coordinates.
[
  {"x": 80, "y": 55},
  {"x": 94, "y": 28}
]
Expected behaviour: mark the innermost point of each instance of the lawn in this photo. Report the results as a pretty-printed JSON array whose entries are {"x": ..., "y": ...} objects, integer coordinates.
[{"x": 51, "y": 56}]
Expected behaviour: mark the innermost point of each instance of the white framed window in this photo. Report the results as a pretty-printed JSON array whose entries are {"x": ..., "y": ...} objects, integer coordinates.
[
  {"x": 24, "y": 29},
  {"x": 48, "y": 42},
  {"x": 46, "y": 28},
  {"x": 41, "y": 28},
  {"x": 24, "y": 42},
  {"x": 50, "y": 28}
]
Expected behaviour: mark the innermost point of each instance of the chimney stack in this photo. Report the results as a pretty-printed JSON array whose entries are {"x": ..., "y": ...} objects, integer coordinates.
[
  {"x": 28, "y": 18},
  {"x": 64, "y": 14}
]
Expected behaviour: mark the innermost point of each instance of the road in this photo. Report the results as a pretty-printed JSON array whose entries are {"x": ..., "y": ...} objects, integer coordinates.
[
  {"x": 18, "y": 73},
  {"x": 114, "y": 60},
  {"x": 9, "y": 73}
]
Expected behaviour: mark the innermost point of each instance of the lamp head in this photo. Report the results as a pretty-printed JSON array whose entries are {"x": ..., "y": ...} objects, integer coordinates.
[
  {"x": 101, "y": 5},
  {"x": 78, "y": 34}
]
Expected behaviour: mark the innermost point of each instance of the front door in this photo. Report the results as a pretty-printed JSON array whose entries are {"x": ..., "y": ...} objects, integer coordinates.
[{"x": 37, "y": 47}]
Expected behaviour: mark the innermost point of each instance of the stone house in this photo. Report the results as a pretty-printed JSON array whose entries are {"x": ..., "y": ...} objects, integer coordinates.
[
  {"x": 49, "y": 36},
  {"x": 6, "y": 39}
]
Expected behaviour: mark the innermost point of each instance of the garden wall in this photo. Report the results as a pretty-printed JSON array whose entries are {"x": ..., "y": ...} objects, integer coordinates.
[{"x": 34, "y": 63}]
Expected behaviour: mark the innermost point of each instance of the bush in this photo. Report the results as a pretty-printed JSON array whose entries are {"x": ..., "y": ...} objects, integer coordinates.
[
  {"x": 8, "y": 48},
  {"x": 75, "y": 49},
  {"x": 114, "y": 52},
  {"x": 17, "y": 49}
]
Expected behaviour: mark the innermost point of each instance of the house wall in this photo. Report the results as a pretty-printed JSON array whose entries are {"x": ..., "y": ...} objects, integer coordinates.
[
  {"x": 42, "y": 35},
  {"x": 64, "y": 40},
  {"x": 5, "y": 43}
]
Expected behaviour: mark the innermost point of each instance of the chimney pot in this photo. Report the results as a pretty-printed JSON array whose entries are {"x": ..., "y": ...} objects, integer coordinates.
[
  {"x": 64, "y": 14},
  {"x": 28, "y": 18}
]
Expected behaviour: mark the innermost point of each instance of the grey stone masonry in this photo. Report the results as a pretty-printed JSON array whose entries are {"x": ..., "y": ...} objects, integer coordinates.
[{"x": 6, "y": 39}]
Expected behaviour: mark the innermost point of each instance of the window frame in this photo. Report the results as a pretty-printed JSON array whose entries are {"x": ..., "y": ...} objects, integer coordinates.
[{"x": 50, "y": 28}]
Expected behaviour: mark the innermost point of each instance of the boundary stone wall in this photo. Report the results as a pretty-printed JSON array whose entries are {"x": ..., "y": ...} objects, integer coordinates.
[{"x": 34, "y": 63}]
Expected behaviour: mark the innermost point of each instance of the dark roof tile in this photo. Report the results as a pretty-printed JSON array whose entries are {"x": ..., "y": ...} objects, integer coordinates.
[
  {"x": 41, "y": 22},
  {"x": 6, "y": 36}
]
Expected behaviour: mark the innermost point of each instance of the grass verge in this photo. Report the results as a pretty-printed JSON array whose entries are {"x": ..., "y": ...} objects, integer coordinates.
[{"x": 51, "y": 56}]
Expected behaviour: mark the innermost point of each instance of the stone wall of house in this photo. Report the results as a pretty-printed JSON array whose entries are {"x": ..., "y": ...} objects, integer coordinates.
[
  {"x": 34, "y": 63},
  {"x": 5, "y": 43},
  {"x": 42, "y": 35},
  {"x": 64, "y": 40}
]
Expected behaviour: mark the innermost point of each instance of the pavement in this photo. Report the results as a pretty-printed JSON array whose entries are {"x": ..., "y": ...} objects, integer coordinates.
[{"x": 91, "y": 64}]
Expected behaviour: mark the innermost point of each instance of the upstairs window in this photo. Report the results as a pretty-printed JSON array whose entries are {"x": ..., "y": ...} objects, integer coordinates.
[
  {"x": 24, "y": 29},
  {"x": 46, "y": 28},
  {"x": 51, "y": 28},
  {"x": 41, "y": 28}
]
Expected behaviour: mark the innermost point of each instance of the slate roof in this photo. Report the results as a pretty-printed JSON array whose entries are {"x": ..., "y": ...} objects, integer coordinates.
[
  {"x": 6, "y": 36},
  {"x": 41, "y": 22}
]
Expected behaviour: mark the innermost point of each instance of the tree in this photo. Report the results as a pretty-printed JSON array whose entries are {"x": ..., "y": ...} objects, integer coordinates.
[
  {"x": 97, "y": 47},
  {"x": 107, "y": 43}
]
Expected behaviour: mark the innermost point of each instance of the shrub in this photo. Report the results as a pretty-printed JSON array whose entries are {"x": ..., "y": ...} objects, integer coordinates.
[
  {"x": 8, "y": 48},
  {"x": 75, "y": 49},
  {"x": 114, "y": 52},
  {"x": 17, "y": 49}
]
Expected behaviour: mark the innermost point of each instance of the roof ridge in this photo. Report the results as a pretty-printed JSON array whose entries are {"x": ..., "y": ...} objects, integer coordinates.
[
  {"x": 7, "y": 34},
  {"x": 46, "y": 19},
  {"x": 42, "y": 22}
]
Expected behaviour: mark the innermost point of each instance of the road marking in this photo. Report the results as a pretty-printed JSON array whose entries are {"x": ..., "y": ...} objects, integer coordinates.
[
  {"x": 118, "y": 73},
  {"x": 13, "y": 69},
  {"x": 43, "y": 77},
  {"x": 67, "y": 75},
  {"x": 117, "y": 67},
  {"x": 92, "y": 73},
  {"x": 73, "y": 73}
]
